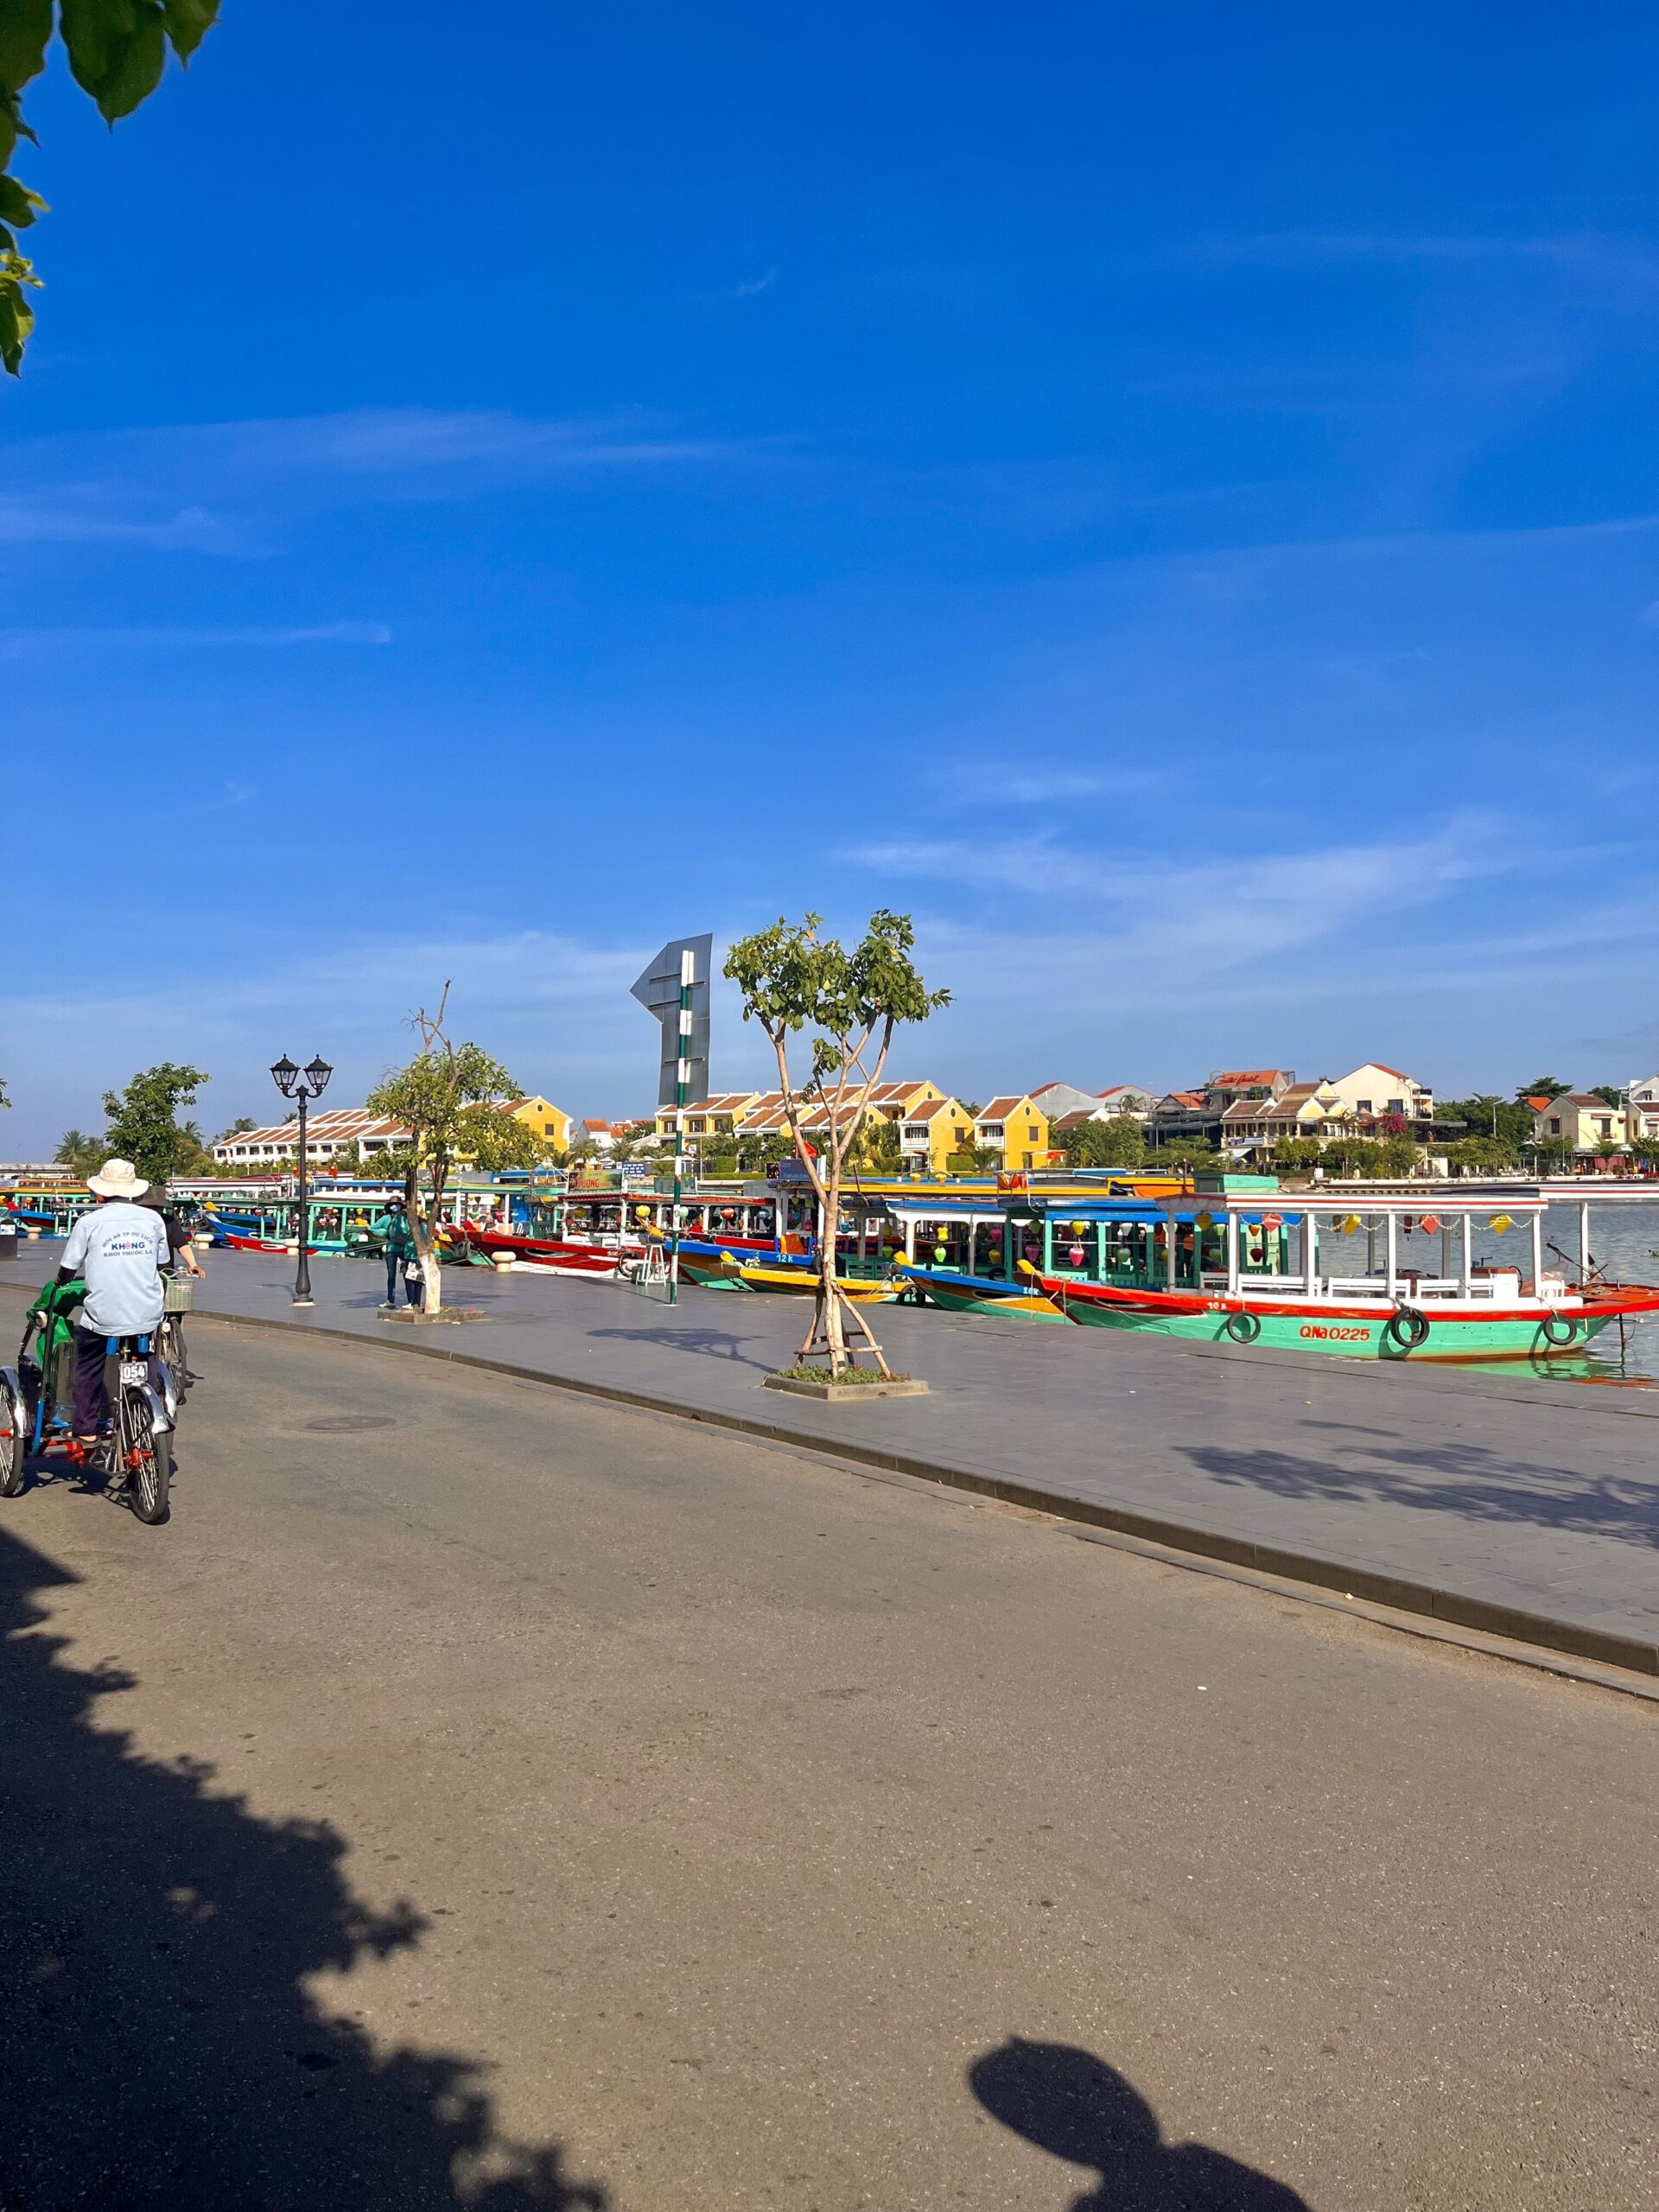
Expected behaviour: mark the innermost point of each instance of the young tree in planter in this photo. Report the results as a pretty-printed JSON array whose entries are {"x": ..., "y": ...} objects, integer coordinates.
[
  {"x": 792, "y": 979},
  {"x": 449, "y": 1098}
]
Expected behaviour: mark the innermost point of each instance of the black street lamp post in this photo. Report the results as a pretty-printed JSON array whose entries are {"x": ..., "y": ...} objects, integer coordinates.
[{"x": 302, "y": 1085}]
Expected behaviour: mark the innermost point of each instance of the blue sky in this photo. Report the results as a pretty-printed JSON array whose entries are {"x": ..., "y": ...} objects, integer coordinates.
[{"x": 1167, "y": 495}]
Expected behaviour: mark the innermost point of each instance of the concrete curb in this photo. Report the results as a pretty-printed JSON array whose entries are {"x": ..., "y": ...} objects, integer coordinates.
[{"x": 1449, "y": 1607}]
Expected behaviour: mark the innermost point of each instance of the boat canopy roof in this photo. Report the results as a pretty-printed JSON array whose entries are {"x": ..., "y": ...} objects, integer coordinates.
[
  {"x": 1249, "y": 1206},
  {"x": 1342, "y": 1204}
]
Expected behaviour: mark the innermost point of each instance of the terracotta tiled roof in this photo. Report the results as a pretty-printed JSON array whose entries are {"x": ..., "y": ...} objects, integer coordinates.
[
  {"x": 929, "y": 1107},
  {"x": 1000, "y": 1108}
]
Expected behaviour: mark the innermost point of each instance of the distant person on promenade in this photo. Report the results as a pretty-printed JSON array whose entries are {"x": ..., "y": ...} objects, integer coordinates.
[{"x": 401, "y": 1257}]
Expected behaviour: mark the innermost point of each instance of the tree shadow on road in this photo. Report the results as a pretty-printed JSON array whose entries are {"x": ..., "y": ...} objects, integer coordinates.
[
  {"x": 161, "y": 2047},
  {"x": 1464, "y": 1478},
  {"x": 1070, "y": 2103},
  {"x": 706, "y": 1344}
]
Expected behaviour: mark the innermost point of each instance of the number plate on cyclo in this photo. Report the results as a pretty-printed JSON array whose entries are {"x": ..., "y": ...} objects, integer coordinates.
[{"x": 135, "y": 1371}]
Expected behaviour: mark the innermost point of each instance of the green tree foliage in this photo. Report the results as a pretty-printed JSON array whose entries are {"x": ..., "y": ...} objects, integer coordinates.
[
  {"x": 792, "y": 979},
  {"x": 240, "y": 1127},
  {"x": 143, "y": 1125},
  {"x": 1485, "y": 1115},
  {"x": 876, "y": 1149},
  {"x": 765, "y": 1148},
  {"x": 1544, "y": 1086},
  {"x": 1481, "y": 1155},
  {"x": 1292, "y": 1155},
  {"x": 116, "y": 51},
  {"x": 449, "y": 1098},
  {"x": 1118, "y": 1142},
  {"x": 1609, "y": 1093},
  {"x": 79, "y": 1152},
  {"x": 1553, "y": 1156}
]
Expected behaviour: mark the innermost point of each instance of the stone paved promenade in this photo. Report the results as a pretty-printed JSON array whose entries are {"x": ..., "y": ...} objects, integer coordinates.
[{"x": 1510, "y": 1491}]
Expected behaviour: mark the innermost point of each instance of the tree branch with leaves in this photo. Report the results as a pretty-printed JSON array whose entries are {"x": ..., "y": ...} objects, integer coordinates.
[
  {"x": 450, "y": 1099},
  {"x": 792, "y": 979},
  {"x": 116, "y": 50}
]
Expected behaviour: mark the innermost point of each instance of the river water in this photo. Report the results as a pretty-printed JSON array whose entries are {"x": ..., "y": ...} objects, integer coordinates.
[{"x": 1624, "y": 1245}]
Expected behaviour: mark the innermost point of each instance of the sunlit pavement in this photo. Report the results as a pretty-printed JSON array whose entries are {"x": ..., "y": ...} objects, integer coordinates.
[{"x": 477, "y": 1795}]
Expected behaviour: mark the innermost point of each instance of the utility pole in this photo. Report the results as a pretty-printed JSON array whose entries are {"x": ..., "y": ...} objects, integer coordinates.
[{"x": 681, "y": 1079}]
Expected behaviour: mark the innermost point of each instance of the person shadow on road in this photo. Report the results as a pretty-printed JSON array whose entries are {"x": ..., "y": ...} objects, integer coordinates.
[{"x": 1069, "y": 2102}]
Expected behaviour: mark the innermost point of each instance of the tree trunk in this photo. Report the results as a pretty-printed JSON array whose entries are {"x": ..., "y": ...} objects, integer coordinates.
[
  {"x": 426, "y": 1247},
  {"x": 828, "y": 1321}
]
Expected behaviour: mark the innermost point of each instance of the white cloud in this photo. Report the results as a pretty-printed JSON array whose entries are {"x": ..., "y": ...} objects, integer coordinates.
[
  {"x": 753, "y": 285},
  {"x": 121, "y": 486},
  {"x": 1226, "y": 912},
  {"x": 325, "y": 634},
  {"x": 79, "y": 515}
]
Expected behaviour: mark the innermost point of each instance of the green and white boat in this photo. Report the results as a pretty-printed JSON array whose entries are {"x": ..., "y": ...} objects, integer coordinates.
[{"x": 1223, "y": 1274}]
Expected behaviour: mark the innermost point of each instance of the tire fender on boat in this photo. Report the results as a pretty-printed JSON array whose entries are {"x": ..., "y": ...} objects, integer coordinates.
[
  {"x": 1243, "y": 1328},
  {"x": 1407, "y": 1327},
  {"x": 1562, "y": 1322}
]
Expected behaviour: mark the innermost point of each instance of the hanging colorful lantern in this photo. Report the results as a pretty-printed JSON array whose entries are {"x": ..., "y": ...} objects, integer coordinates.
[
  {"x": 1272, "y": 1221},
  {"x": 1076, "y": 1255},
  {"x": 1431, "y": 1224},
  {"x": 1079, "y": 1228},
  {"x": 642, "y": 1213},
  {"x": 1501, "y": 1222},
  {"x": 1205, "y": 1220},
  {"x": 1351, "y": 1224}
]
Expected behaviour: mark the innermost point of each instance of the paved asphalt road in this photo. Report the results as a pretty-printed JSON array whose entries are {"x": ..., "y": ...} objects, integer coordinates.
[{"x": 481, "y": 1796}]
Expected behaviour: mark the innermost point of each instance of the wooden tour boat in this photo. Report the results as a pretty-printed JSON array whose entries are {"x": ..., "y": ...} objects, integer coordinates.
[{"x": 1227, "y": 1278}]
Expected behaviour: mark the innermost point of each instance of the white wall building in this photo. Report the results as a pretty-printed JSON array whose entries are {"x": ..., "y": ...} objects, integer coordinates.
[{"x": 1375, "y": 1090}]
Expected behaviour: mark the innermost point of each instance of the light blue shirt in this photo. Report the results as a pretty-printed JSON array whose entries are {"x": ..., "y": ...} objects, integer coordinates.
[{"x": 118, "y": 1249}]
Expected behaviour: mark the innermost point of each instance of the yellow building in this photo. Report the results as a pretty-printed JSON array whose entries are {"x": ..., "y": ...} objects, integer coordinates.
[
  {"x": 932, "y": 1130},
  {"x": 1016, "y": 1128},
  {"x": 548, "y": 1123},
  {"x": 716, "y": 1115},
  {"x": 1580, "y": 1119}
]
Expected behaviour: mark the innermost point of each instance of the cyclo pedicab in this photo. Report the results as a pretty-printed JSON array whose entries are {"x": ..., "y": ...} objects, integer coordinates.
[{"x": 142, "y": 1391}]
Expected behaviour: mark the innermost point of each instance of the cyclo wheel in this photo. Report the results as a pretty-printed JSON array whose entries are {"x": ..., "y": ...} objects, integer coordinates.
[
  {"x": 13, "y": 1450},
  {"x": 169, "y": 1346},
  {"x": 147, "y": 1454}
]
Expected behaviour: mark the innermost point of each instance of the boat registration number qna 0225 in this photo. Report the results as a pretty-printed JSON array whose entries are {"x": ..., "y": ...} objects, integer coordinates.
[{"x": 1335, "y": 1336}]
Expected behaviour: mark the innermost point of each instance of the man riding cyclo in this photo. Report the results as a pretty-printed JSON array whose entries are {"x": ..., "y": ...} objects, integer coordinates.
[{"x": 119, "y": 1250}]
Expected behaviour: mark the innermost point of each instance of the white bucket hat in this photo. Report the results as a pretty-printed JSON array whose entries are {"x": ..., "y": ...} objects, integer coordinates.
[{"x": 117, "y": 1178}]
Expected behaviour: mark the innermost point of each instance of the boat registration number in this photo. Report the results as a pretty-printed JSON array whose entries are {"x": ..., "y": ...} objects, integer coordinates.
[
  {"x": 1326, "y": 1335},
  {"x": 133, "y": 1370}
]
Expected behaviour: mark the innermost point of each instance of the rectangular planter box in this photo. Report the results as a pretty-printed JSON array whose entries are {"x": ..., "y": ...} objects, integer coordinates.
[{"x": 844, "y": 1394}]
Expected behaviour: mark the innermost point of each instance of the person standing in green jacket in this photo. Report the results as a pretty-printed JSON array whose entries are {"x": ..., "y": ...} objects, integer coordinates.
[{"x": 400, "y": 1250}]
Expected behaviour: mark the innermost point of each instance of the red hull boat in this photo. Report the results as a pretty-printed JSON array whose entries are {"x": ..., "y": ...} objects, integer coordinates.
[{"x": 553, "y": 1255}]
